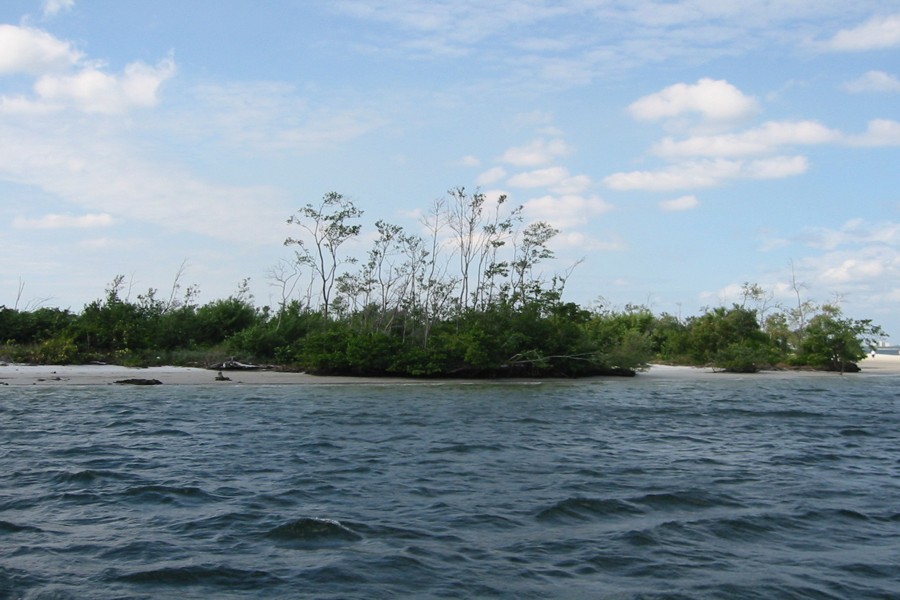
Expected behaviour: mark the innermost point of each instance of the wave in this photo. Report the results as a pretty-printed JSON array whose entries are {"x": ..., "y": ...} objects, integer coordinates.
[
  {"x": 88, "y": 476},
  {"x": 313, "y": 530},
  {"x": 583, "y": 509},
  {"x": 7, "y": 527},
  {"x": 688, "y": 499},
  {"x": 221, "y": 576},
  {"x": 167, "y": 494}
]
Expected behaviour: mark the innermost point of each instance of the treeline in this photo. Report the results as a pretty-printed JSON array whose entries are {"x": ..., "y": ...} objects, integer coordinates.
[{"x": 470, "y": 298}]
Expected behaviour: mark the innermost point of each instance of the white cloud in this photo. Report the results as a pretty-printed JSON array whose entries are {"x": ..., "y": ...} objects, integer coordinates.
[
  {"x": 855, "y": 232},
  {"x": 875, "y": 34},
  {"x": 582, "y": 242},
  {"x": 539, "y": 178},
  {"x": 27, "y": 50},
  {"x": 777, "y": 167},
  {"x": 880, "y": 132},
  {"x": 691, "y": 175},
  {"x": 54, "y": 7},
  {"x": 90, "y": 168},
  {"x": 707, "y": 173},
  {"x": 107, "y": 244},
  {"x": 491, "y": 176},
  {"x": 853, "y": 269},
  {"x": 715, "y": 100},
  {"x": 266, "y": 116},
  {"x": 767, "y": 138},
  {"x": 874, "y": 81},
  {"x": 577, "y": 184},
  {"x": 65, "y": 80},
  {"x": 20, "y": 105},
  {"x": 566, "y": 211},
  {"x": 94, "y": 91},
  {"x": 65, "y": 221},
  {"x": 470, "y": 161},
  {"x": 539, "y": 152},
  {"x": 681, "y": 203}
]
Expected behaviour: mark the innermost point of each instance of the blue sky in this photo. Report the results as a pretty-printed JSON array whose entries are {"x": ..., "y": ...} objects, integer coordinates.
[{"x": 681, "y": 147}]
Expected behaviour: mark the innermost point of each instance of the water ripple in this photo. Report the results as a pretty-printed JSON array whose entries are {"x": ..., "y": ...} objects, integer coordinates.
[{"x": 637, "y": 489}]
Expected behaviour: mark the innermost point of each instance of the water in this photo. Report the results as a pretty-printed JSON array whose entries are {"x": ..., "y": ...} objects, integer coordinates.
[{"x": 629, "y": 489}]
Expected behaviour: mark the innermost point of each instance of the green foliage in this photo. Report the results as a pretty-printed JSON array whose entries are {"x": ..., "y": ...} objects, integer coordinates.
[
  {"x": 470, "y": 299},
  {"x": 835, "y": 343},
  {"x": 730, "y": 339},
  {"x": 219, "y": 320},
  {"x": 622, "y": 338}
]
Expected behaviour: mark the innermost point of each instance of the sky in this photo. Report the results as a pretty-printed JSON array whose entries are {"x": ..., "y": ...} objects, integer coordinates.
[{"x": 681, "y": 147}]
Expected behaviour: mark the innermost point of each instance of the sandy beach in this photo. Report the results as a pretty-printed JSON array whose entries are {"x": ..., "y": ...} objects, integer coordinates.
[{"x": 66, "y": 375}]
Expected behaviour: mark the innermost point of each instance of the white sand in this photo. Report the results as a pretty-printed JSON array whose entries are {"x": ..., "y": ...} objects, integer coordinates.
[
  {"x": 53, "y": 375},
  {"x": 881, "y": 363}
]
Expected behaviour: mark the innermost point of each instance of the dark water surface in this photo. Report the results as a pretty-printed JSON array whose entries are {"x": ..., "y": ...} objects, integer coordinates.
[{"x": 646, "y": 488}]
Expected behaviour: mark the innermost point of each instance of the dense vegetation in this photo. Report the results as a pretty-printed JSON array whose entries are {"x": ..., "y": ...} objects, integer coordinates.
[{"x": 469, "y": 298}]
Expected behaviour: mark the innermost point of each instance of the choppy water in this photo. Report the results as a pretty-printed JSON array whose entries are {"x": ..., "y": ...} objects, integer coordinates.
[{"x": 645, "y": 488}]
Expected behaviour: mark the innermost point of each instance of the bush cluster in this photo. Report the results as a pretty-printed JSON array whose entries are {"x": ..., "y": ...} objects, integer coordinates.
[{"x": 467, "y": 298}]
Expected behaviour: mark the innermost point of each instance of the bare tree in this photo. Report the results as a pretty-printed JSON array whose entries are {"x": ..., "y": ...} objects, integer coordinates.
[
  {"x": 437, "y": 286},
  {"x": 762, "y": 299},
  {"x": 804, "y": 307},
  {"x": 329, "y": 226},
  {"x": 530, "y": 250},
  {"x": 478, "y": 235},
  {"x": 285, "y": 276}
]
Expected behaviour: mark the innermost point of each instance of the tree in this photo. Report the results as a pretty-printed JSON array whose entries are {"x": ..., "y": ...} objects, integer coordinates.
[
  {"x": 478, "y": 236},
  {"x": 330, "y": 226},
  {"x": 730, "y": 339},
  {"x": 836, "y": 343},
  {"x": 800, "y": 314},
  {"x": 529, "y": 252}
]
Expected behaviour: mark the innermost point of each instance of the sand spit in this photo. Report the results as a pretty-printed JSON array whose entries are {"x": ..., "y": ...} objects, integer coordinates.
[{"x": 67, "y": 375}]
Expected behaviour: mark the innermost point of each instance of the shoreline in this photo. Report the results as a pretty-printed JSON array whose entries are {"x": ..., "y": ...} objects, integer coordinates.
[{"x": 15, "y": 375}]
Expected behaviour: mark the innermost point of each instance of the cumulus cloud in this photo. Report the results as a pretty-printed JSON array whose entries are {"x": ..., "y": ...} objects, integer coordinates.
[
  {"x": 94, "y": 91},
  {"x": 762, "y": 140},
  {"x": 875, "y": 34},
  {"x": 714, "y": 100},
  {"x": 55, "y": 221},
  {"x": 707, "y": 173},
  {"x": 691, "y": 175},
  {"x": 855, "y": 232},
  {"x": 873, "y": 81},
  {"x": 853, "y": 269},
  {"x": 538, "y": 152},
  {"x": 54, "y": 7},
  {"x": 65, "y": 80},
  {"x": 880, "y": 132},
  {"x": 577, "y": 184},
  {"x": 583, "y": 242},
  {"x": 566, "y": 211},
  {"x": 679, "y": 204},
  {"x": 777, "y": 167},
  {"x": 491, "y": 176},
  {"x": 539, "y": 178},
  {"x": 707, "y": 160},
  {"x": 32, "y": 51}
]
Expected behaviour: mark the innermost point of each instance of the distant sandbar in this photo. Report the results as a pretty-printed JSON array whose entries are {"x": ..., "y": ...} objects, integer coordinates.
[{"x": 68, "y": 375}]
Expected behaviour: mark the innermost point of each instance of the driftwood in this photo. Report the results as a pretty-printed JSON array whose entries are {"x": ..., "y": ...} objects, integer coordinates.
[
  {"x": 139, "y": 381},
  {"x": 233, "y": 365}
]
